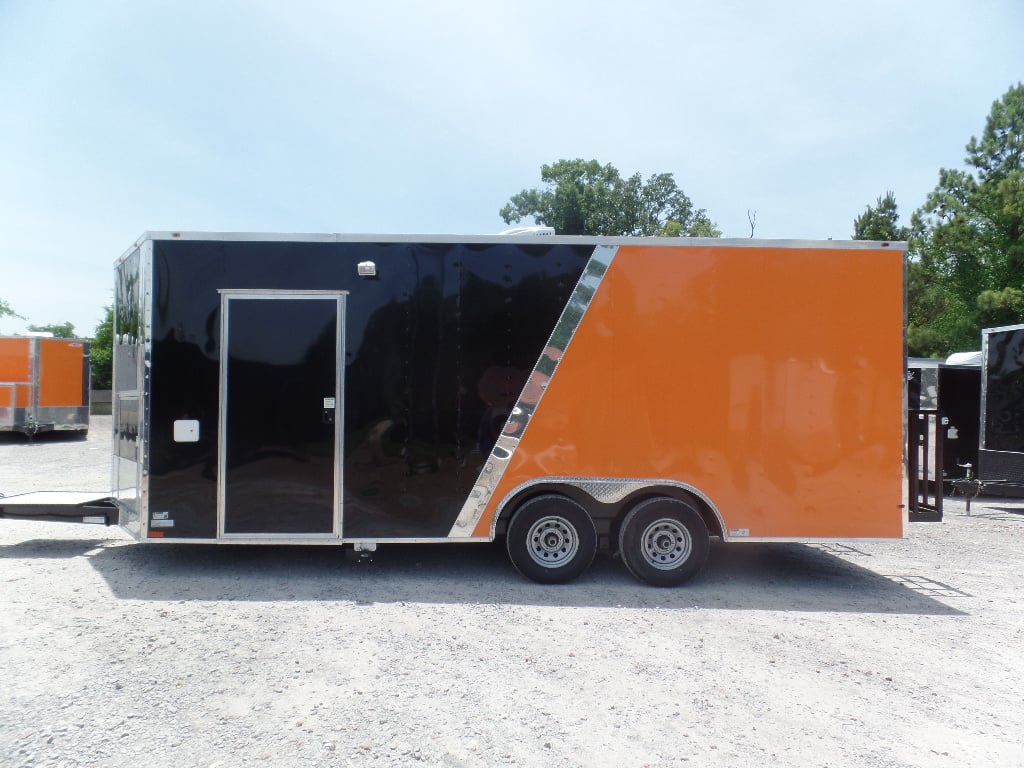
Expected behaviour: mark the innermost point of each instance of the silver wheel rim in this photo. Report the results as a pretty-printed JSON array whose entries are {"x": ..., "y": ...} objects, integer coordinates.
[
  {"x": 666, "y": 544},
  {"x": 552, "y": 541}
]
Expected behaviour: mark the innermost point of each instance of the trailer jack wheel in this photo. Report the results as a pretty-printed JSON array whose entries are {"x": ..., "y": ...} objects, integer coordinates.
[
  {"x": 551, "y": 539},
  {"x": 663, "y": 542}
]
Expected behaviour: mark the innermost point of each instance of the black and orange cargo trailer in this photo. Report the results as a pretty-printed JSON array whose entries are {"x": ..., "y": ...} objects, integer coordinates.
[
  {"x": 44, "y": 384},
  {"x": 568, "y": 394}
]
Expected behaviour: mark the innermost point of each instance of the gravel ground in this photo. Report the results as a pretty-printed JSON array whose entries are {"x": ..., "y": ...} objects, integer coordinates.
[{"x": 905, "y": 653}]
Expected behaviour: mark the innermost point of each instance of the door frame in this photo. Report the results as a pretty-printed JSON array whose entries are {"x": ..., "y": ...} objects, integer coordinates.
[{"x": 226, "y": 296}]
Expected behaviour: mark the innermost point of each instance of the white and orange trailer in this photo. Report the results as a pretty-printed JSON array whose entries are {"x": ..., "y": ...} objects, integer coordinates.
[
  {"x": 566, "y": 394},
  {"x": 44, "y": 384}
]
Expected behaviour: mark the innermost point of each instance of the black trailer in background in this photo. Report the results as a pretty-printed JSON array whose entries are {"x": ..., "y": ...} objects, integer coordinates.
[
  {"x": 924, "y": 448},
  {"x": 1001, "y": 449},
  {"x": 943, "y": 418},
  {"x": 966, "y": 424},
  {"x": 960, "y": 390}
]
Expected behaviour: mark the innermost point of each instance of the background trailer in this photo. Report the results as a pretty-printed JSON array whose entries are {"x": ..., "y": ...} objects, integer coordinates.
[
  {"x": 569, "y": 393},
  {"x": 1001, "y": 455},
  {"x": 945, "y": 400},
  {"x": 44, "y": 384}
]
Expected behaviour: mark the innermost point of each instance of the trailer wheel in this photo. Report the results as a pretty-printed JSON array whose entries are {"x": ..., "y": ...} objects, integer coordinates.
[
  {"x": 551, "y": 539},
  {"x": 663, "y": 541}
]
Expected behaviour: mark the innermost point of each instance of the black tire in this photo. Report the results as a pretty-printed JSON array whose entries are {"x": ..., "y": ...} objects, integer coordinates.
[
  {"x": 664, "y": 541},
  {"x": 551, "y": 539}
]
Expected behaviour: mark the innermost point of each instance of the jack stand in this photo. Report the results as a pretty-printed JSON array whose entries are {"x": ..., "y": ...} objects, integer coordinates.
[{"x": 362, "y": 551}]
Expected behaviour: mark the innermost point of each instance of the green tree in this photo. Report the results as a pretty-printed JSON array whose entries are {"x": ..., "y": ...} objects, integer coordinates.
[
  {"x": 968, "y": 237},
  {"x": 880, "y": 222},
  {"x": 926, "y": 298},
  {"x": 59, "y": 330},
  {"x": 7, "y": 311},
  {"x": 586, "y": 198},
  {"x": 101, "y": 352}
]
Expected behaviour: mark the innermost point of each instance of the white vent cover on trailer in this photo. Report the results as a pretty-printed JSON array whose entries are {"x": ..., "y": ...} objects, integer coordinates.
[
  {"x": 964, "y": 358},
  {"x": 538, "y": 230}
]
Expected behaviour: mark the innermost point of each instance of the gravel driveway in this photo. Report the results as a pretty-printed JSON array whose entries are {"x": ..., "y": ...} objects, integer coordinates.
[{"x": 904, "y": 653}]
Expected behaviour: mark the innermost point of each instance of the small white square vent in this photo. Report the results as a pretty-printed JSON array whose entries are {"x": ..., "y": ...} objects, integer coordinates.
[{"x": 186, "y": 431}]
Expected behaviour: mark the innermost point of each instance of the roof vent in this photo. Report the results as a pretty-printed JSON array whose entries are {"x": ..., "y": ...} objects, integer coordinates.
[{"x": 516, "y": 231}]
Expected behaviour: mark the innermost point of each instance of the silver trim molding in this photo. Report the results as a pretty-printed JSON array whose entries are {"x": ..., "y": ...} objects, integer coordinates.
[{"x": 597, "y": 241}]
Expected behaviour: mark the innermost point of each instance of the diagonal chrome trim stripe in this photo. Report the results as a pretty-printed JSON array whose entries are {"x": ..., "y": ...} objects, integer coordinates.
[{"x": 519, "y": 419}]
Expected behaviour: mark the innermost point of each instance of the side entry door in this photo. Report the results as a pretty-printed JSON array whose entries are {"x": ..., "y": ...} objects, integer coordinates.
[{"x": 280, "y": 414}]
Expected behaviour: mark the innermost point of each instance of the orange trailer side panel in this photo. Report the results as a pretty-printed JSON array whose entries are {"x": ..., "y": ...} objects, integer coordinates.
[
  {"x": 61, "y": 373},
  {"x": 771, "y": 379},
  {"x": 16, "y": 366}
]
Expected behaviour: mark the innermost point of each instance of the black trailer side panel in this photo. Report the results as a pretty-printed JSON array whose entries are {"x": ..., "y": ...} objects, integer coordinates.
[
  {"x": 437, "y": 347},
  {"x": 1002, "y": 445}
]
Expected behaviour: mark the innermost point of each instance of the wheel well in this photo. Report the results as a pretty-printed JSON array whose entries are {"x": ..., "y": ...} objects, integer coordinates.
[
  {"x": 702, "y": 507},
  {"x": 580, "y": 497},
  {"x": 608, "y": 516}
]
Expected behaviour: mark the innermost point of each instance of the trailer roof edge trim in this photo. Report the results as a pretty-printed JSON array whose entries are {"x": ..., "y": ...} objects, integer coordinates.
[
  {"x": 495, "y": 238},
  {"x": 1002, "y": 329}
]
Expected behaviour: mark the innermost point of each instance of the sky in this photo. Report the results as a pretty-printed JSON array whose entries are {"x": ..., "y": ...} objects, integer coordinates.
[{"x": 121, "y": 116}]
